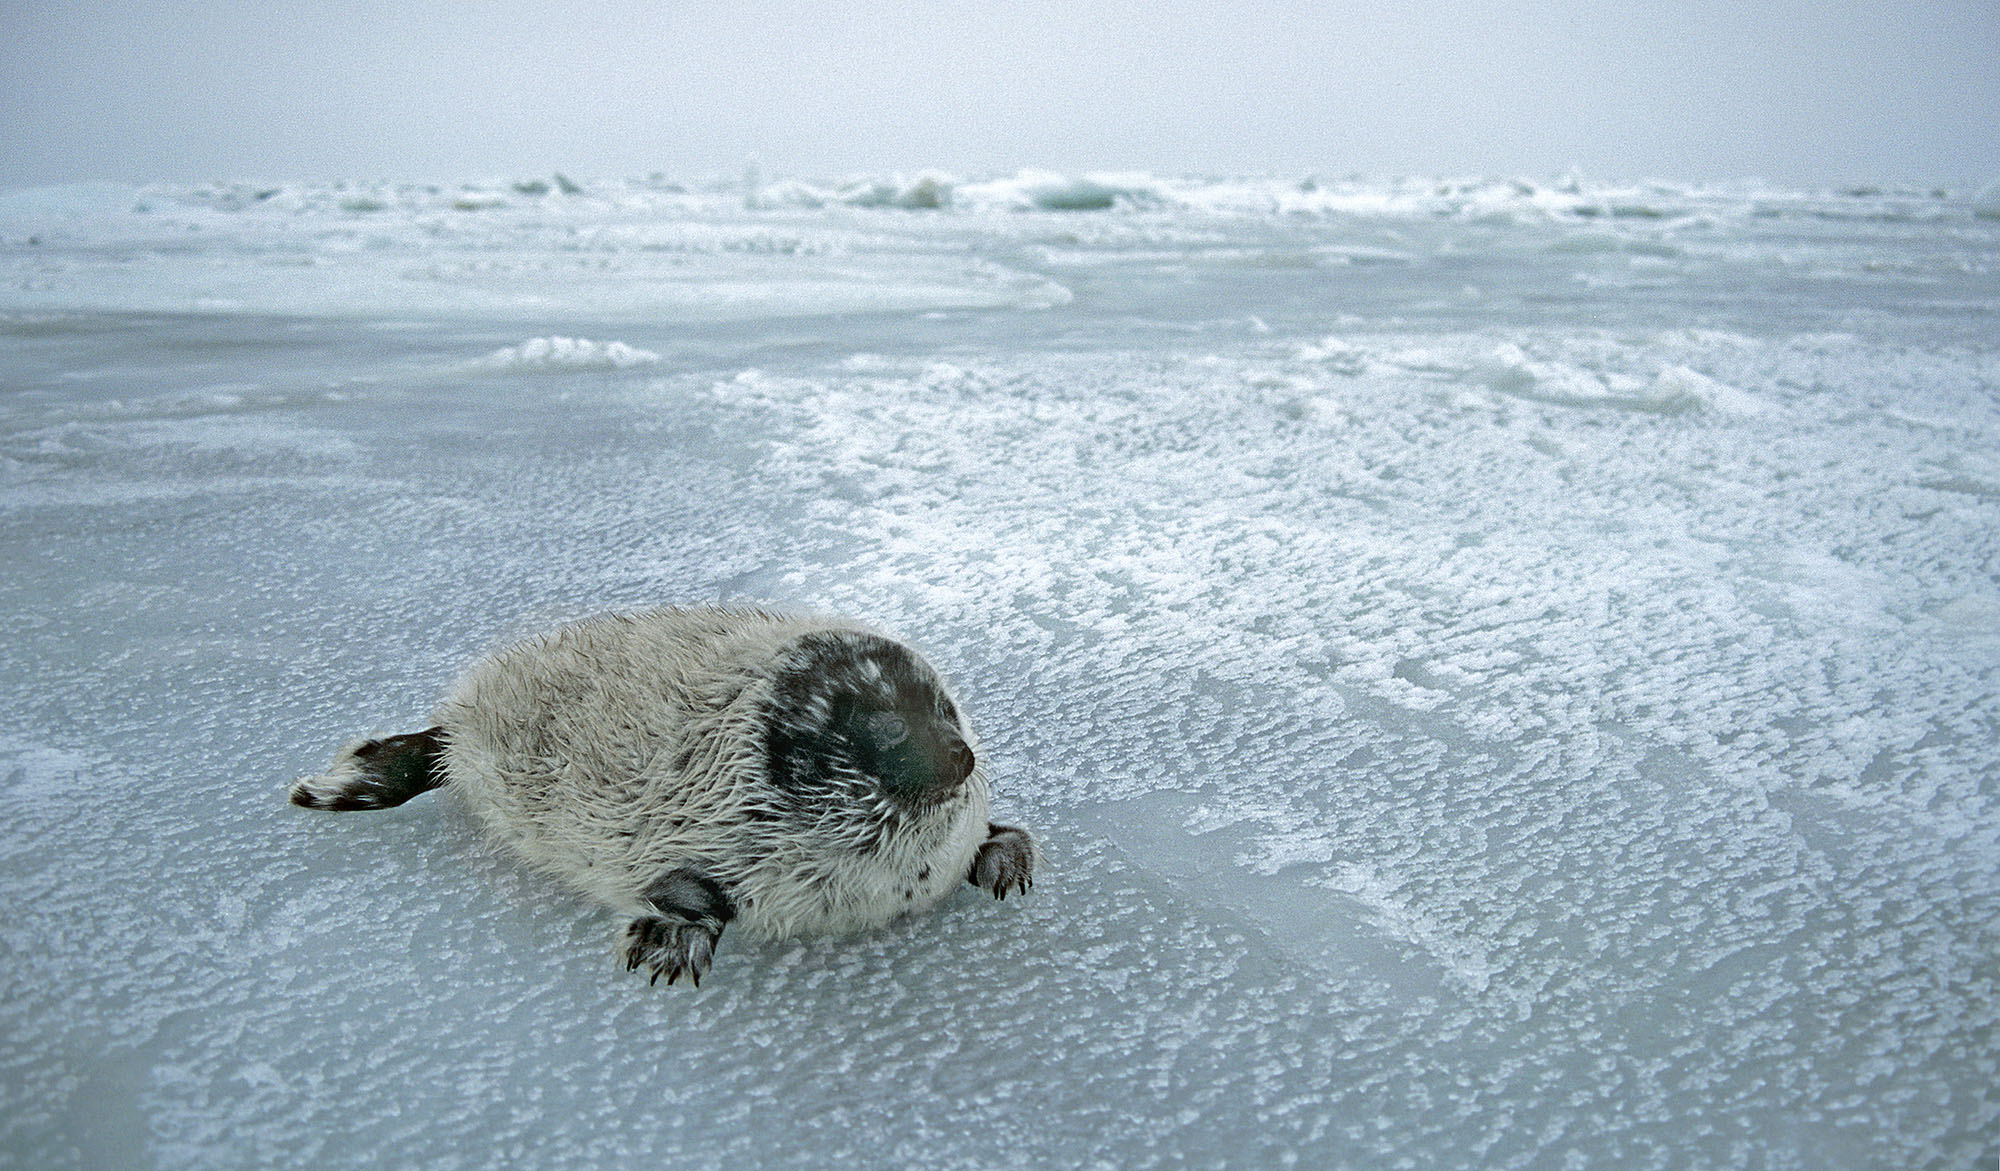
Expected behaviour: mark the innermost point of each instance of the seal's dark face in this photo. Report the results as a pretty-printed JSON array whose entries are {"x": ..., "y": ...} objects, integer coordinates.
[{"x": 856, "y": 711}]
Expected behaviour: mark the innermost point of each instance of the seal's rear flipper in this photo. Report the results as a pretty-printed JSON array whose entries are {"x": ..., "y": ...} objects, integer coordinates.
[{"x": 376, "y": 774}]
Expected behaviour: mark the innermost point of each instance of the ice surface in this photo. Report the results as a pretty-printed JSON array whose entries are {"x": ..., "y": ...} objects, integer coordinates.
[
  {"x": 1505, "y": 673},
  {"x": 1987, "y": 202}
]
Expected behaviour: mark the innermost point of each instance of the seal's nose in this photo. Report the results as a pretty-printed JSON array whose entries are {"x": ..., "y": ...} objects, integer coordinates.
[{"x": 960, "y": 757}]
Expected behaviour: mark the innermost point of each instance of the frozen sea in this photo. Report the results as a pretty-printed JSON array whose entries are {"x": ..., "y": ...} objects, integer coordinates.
[{"x": 1506, "y": 674}]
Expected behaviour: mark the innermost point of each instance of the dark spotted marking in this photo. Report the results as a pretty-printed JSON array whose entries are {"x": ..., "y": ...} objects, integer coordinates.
[{"x": 830, "y": 718}]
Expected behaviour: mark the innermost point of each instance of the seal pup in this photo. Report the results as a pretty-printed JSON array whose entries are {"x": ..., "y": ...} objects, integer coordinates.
[{"x": 697, "y": 767}]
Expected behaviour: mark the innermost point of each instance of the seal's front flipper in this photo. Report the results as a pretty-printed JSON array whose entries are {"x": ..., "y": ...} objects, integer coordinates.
[
  {"x": 669, "y": 948},
  {"x": 681, "y": 939},
  {"x": 377, "y": 774},
  {"x": 1006, "y": 861}
]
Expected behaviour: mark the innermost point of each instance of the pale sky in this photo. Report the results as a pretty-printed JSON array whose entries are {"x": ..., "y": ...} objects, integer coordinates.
[{"x": 1789, "y": 91}]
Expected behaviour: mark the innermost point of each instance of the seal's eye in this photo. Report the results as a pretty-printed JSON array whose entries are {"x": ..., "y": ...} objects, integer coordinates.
[{"x": 888, "y": 729}]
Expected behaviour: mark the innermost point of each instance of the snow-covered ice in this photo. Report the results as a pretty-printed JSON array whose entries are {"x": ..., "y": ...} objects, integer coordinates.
[
  {"x": 567, "y": 353},
  {"x": 1506, "y": 674}
]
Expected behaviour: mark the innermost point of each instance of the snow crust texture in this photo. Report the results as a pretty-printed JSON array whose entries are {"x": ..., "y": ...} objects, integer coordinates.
[{"x": 1502, "y": 674}]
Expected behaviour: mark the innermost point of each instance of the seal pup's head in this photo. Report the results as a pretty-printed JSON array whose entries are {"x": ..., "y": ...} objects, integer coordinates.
[{"x": 862, "y": 720}]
